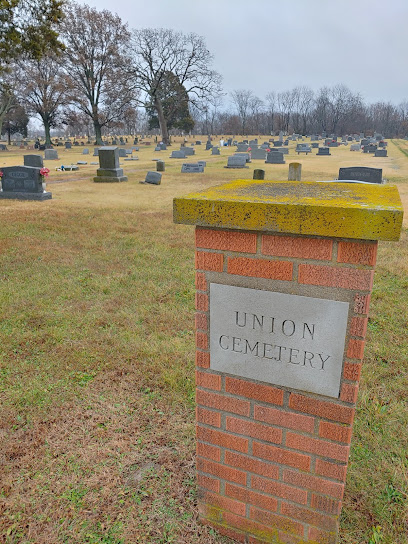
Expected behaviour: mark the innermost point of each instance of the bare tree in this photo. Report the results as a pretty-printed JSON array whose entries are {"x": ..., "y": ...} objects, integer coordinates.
[
  {"x": 95, "y": 60},
  {"x": 7, "y": 98},
  {"x": 43, "y": 89},
  {"x": 242, "y": 100},
  {"x": 286, "y": 101},
  {"x": 271, "y": 109},
  {"x": 160, "y": 52}
]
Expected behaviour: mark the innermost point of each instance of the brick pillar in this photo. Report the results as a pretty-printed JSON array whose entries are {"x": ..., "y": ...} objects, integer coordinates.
[{"x": 272, "y": 459}]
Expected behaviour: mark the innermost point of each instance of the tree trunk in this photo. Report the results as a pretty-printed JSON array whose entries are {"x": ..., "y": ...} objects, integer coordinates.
[
  {"x": 162, "y": 120},
  {"x": 47, "y": 131},
  {"x": 98, "y": 132}
]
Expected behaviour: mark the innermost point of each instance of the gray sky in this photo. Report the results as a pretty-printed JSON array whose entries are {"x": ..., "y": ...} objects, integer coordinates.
[{"x": 274, "y": 45}]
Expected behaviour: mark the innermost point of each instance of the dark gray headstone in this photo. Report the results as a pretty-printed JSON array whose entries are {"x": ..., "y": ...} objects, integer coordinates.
[
  {"x": 23, "y": 182},
  {"x": 361, "y": 173},
  {"x": 122, "y": 152},
  {"x": 96, "y": 152},
  {"x": 82, "y": 162},
  {"x": 160, "y": 166},
  {"x": 259, "y": 174},
  {"x": 355, "y": 147},
  {"x": 192, "y": 168},
  {"x": 85, "y": 151},
  {"x": 50, "y": 154},
  {"x": 237, "y": 161},
  {"x": 258, "y": 154},
  {"x": 323, "y": 151},
  {"x": 154, "y": 178},
  {"x": 242, "y": 148},
  {"x": 33, "y": 160},
  {"x": 188, "y": 151},
  {"x": 3, "y": 147},
  {"x": 198, "y": 142},
  {"x": 178, "y": 154},
  {"x": 381, "y": 153},
  {"x": 274, "y": 157},
  {"x": 68, "y": 145},
  {"x": 109, "y": 170},
  {"x": 157, "y": 148},
  {"x": 215, "y": 151},
  {"x": 208, "y": 146}
]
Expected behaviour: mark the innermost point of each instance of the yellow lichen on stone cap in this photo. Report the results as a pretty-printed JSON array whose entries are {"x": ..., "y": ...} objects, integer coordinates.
[{"x": 335, "y": 209}]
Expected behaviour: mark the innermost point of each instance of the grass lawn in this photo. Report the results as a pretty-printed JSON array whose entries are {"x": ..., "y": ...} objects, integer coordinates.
[{"x": 97, "y": 359}]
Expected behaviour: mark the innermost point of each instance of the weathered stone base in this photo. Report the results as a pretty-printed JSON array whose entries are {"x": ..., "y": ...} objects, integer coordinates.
[
  {"x": 26, "y": 196},
  {"x": 107, "y": 179},
  {"x": 236, "y": 167}
]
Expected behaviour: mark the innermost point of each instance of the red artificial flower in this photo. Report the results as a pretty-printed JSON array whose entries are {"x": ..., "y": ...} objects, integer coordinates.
[
  {"x": 268, "y": 150},
  {"x": 1, "y": 174},
  {"x": 249, "y": 149},
  {"x": 44, "y": 172}
]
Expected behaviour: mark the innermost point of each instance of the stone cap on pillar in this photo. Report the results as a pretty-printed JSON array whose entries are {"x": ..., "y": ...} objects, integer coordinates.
[{"x": 341, "y": 210}]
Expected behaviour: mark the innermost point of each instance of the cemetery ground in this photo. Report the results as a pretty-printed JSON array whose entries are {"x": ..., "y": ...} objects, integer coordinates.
[{"x": 97, "y": 357}]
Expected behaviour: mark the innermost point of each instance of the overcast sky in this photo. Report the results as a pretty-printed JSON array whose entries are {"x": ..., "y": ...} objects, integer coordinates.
[{"x": 274, "y": 45}]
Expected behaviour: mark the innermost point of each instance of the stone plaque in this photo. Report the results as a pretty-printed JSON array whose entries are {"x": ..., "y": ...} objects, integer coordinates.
[{"x": 287, "y": 340}]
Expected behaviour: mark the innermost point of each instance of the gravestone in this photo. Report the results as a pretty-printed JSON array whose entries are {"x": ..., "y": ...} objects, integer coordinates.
[
  {"x": 371, "y": 148},
  {"x": 246, "y": 155},
  {"x": 163, "y": 146},
  {"x": 69, "y": 168},
  {"x": 33, "y": 160},
  {"x": 191, "y": 168},
  {"x": 259, "y": 174},
  {"x": 96, "y": 152},
  {"x": 355, "y": 147},
  {"x": 3, "y": 147},
  {"x": 303, "y": 148},
  {"x": 23, "y": 183},
  {"x": 258, "y": 154},
  {"x": 295, "y": 171},
  {"x": 198, "y": 142},
  {"x": 109, "y": 170},
  {"x": 236, "y": 161},
  {"x": 160, "y": 166},
  {"x": 208, "y": 146},
  {"x": 215, "y": 151},
  {"x": 381, "y": 153},
  {"x": 203, "y": 163},
  {"x": 178, "y": 154},
  {"x": 242, "y": 148},
  {"x": 314, "y": 145},
  {"x": 50, "y": 154},
  {"x": 85, "y": 151},
  {"x": 283, "y": 150},
  {"x": 157, "y": 148},
  {"x": 274, "y": 157},
  {"x": 68, "y": 145},
  {"x": 153, "y": 178},
  {"x": 122, "y": 152},
  {"x": 361, "y": 173},
  {"x": 323, "y": 151},
  {"x": 277, "y": 143},
  {"x": 82, "y": 162}
]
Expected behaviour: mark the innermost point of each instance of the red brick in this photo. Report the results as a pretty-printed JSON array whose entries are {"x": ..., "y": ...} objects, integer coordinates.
[
  {"x": 201, "y": 321},
  {"x": 222, "y": 402},
  {"x": 281, "y": 456},
  {"x": 244, "y": 242},
  {"x": 272, "y": 520},
  {"x": 201, "y": 302},
  {"x": 322, "y": 537},
  {"x": 247, "y": 525},
  {"x": 279, "y": 490},
  {"x": 285, "y": 538},
  {"x": 357, "y": 253},
  {"x": 352, "y": 371},
  {"x": 222, "y": 439},
  {"x": 361, "y": 303},
  {"x": 349, "y": 393},
  {"x": 331, "y": 470},
  {"x": 255, "y": 430},
  {"x": 251, "y": 465},
  {"x": 208, "y": 417},
  {"x": 208, "y": 380},
  {"x": 321, "y": 408},
  {"x": 212, "y": 484},
  {"x": 260, "y": 268},
  {"x": 223, "y": 502},
  {"x": 302, "y": 248},
  {"x": 284, "y": 419},
  {"x": 201, "y": 340},
  {"x": 221, "y": 471},
  {"x": 251, "y": 497},
  {"x": 358, "y": 326},
  {"x": 200, "y": 281},
  {"x": 326, "y": 487},
  {"x": 309, "y": 516},
  {"x": 329, "y": 276},
  {"x": 257, "y": 391},
  {"x": 202, "y": 359},
  {"x": 210, "y": 452},
  {"x": 326, "y": 504},
  {"x": 316, "y": 446},
  {"x": 206, "y": 260},
  {"x": 331, "y": 431},
  {"x": 355, "y": 349}
]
